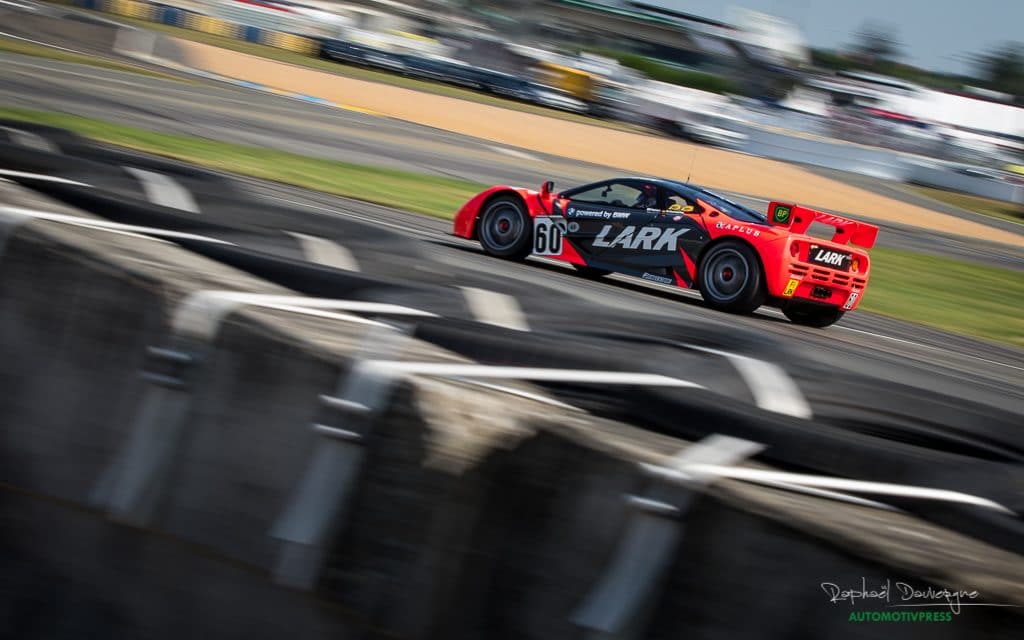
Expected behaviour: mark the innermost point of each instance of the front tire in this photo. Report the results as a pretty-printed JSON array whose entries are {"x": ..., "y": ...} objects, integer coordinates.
[
  {"x": 818, "y": 317},
  {"x": 730, "y": 278},
  {"x": 504, "y": 228}
]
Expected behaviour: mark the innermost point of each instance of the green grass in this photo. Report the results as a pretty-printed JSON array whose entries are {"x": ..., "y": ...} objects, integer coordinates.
[
  {"x": 431, "y": 195},
  {"x": 985, "y": 206},
  {"x": 957, "y": 296},
  {"x": 12, "y": 45},
  {"x": 370, "y": 75},
  {"x": 948, "y": 294}
]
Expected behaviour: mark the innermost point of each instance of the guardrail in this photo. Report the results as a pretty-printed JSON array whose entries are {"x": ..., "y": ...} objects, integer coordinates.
[{"x": 185, "y": 19}]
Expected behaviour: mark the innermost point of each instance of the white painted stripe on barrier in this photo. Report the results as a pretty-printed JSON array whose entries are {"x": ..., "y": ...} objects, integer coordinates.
[
  {"x": 200, "y": 314},
  {"x": 537, "y": 374},
  {"x": 519, "y": 393},
  {"x": 325, "y": 252},
  {"x": 832, "y": 495},
  {"x": 164, "y": 190},
  {"x": 771, "y": 386},
  {"x": 763, "y": 476},
  {"x": 41, "y": 176},
  {"x": 151, "y": 233},
  {"x": 30, "y": 140},
  {"x": 491, "y": 307}
]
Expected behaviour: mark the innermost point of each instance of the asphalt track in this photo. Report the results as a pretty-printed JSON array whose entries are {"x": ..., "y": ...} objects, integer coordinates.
[{"x": 864, "y": 343}]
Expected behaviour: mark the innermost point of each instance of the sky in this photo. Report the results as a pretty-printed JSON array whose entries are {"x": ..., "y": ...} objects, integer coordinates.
[{"x": 935, "y": 34}]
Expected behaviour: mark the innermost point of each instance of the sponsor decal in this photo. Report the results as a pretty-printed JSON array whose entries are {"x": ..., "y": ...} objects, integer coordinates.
[
  {"x": 646, "y": 238},
  {"x": 828, "y": 257},
  {"x": 790, "y": 287},
  {"x": 655, "y": 278},
  {"x": 597, "y": 214},
  {"x": 781, "y": 214},
  {"x": 738, "y": 228},
  {"x": 851, "y": 300}
]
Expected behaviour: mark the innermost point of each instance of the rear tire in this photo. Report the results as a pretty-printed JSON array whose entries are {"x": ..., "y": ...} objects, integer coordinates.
[
  {"x": 504, "y": 228},
  {"x": 730, "y": 278},
  {"x": 592, "y": 273},
  {"x": 818, "y": 317}
]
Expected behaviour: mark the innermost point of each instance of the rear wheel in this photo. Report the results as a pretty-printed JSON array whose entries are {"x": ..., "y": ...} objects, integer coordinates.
[
  {"x": 730, "y": 278},
  {"x": 504, "y": 228},
  {"x": 817, "y": 316},
  {"x": 590, "y": 272}
]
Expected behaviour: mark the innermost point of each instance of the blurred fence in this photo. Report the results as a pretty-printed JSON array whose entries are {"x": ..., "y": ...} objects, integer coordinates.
[{"x": 185, "y": 19}]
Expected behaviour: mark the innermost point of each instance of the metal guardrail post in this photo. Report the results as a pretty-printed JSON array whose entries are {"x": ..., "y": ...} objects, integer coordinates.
[
  {"x": 318, "y": 503},
  {"x": 621, "y": 603}
]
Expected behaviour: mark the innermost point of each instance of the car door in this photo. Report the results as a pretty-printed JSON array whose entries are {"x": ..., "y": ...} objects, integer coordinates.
[{"x": 599, "y": 216}]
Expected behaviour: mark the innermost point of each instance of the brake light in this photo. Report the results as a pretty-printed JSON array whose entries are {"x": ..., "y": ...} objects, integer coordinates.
[{"x": 794, "y": 249}]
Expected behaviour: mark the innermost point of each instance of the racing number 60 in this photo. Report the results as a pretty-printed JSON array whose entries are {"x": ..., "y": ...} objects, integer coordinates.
[{"x": 547, "y": 236}]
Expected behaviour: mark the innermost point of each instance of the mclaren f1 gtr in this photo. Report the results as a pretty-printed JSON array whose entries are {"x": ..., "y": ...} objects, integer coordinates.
[{"x": 681, "y": 234}]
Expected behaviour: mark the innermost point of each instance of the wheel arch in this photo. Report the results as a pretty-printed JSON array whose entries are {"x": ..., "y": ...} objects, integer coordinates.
[
  {"x": 491, "y": 197},
  {"x": 699, "y": 262}
]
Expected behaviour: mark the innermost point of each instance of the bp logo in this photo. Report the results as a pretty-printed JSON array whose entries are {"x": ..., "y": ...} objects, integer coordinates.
[{"x": 781, "y": 214}]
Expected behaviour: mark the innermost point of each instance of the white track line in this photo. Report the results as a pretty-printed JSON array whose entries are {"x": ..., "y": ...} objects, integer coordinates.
[
  {"x": 30, "y": 140},
  {"x": 45, "y": 44},
  {"x": 515, "y": 153},
  {"x": 498, "y": 309},
  {"x": 325, "y": 252},
  {"x": 929, "y": 347},
  {"x": 164, "y": 190},
  {"x": 771, "y": 386},
  {"x": 41, "y": 176}
]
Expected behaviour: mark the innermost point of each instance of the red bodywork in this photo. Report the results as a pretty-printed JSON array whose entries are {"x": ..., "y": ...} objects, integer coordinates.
[{"x": 783, "y": 246}]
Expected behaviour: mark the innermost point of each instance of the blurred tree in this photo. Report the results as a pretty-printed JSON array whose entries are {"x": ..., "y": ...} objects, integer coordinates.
[
  {"x": 1002, "y": 69},
  {"x": 877, "y": 46}
]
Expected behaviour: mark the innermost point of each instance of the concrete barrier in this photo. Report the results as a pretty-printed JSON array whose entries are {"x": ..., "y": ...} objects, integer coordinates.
[
  {"x": 952, "y": 178},
  {"x": 314, "y": 444}
]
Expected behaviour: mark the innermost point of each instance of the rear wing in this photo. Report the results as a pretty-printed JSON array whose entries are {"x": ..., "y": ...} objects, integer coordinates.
[{"x": 798, "y": 219}]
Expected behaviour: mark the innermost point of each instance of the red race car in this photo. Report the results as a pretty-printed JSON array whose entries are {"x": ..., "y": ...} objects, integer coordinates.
[{"x": 683, "y": 235}]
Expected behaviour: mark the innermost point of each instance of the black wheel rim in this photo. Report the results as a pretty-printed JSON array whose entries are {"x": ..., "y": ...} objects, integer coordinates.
[
  {"x": 503, "y": 226},
  {"x": 727, "y": 274}
]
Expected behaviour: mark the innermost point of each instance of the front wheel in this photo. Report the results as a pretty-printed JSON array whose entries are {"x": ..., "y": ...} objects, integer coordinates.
[
  {"x": 504, "y": 228},
  {"x": 818, "y": 317},
  {"x": 730, "y": 278}
]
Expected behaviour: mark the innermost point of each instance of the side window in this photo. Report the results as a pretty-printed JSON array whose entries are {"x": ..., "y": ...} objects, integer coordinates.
[{"x": 613, "y": 194}]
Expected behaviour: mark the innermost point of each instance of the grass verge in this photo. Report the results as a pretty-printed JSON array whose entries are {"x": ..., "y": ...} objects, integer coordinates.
[
  {"x": 22, "y": 47},
  {"x": 431, "y": 195},
  {"x": 984, "y": 206},
  {"x": 948, "y": 294}
]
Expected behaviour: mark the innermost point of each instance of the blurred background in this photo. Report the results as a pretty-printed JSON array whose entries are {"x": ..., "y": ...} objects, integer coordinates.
[{"x": 252, "y": 386}]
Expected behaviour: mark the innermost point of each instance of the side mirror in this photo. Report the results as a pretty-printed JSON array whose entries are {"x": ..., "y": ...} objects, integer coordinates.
[{"x": 545, "y": 189}]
